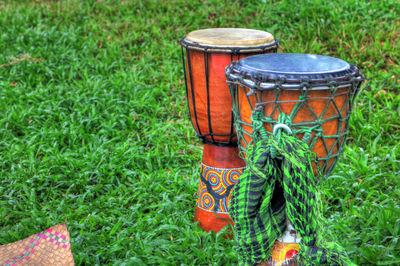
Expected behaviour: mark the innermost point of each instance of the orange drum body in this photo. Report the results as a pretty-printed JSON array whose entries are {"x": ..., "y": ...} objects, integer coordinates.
[
  {"x": 206, "y": 54},
  {"x": 210, "y": 103},
  {"x": 324, "y": 108}
]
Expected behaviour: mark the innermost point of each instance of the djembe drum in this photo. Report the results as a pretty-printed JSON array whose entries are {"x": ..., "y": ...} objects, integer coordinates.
[
  {"x": 206, "y": 53},
  {"x": 286, "y": 105}
]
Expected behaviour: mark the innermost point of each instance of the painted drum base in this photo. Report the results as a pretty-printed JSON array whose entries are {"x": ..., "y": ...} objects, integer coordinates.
[
  {"x": 215, "y": 188},
  {"x": 219, "y": 172}
]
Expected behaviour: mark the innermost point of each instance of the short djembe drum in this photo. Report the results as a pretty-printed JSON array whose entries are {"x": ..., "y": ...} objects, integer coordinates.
[
  {"x": 206, "y": 53},
  {"x": 292, "y": 113}
]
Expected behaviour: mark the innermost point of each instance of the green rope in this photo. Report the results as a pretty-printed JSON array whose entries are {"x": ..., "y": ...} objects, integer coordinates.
[{"x": 259, "y": 214}]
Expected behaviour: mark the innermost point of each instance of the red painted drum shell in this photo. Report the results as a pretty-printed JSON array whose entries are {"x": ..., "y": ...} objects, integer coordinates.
[{"x": 206, "y": 54}]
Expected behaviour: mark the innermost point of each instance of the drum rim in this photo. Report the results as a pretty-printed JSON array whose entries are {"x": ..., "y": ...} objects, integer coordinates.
[
  {"x": 346, "y": 67},
  {"x": 264, "y": 80}
]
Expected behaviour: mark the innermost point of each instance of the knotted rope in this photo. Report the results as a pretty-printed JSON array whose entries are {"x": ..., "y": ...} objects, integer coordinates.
[{"x": 259, "y": 212}]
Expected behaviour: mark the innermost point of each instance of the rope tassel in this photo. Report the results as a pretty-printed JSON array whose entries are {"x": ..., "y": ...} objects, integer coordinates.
[{"x": 279, "y": 182}]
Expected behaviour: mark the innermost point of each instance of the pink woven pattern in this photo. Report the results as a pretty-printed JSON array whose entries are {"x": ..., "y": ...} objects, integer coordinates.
[
  {"x": 54, "y": 237},
  {"x": 50, "y": 247}
]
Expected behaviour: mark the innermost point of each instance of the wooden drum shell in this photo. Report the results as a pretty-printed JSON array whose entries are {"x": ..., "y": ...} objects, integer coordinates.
[
  {"x": 320, "y": 108},
  {"x": 208, "y": 96}
]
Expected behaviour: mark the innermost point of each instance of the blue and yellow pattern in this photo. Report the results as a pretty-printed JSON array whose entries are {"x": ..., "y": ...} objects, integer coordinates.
[{"x": 215, "y": 187}]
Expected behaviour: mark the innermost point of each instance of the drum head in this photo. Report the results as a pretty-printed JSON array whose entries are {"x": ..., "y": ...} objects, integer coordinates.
[
  {"x": 293, "y": 64},
  {"x": 292, "y": 68},
  {"x": 230, "y": 37},
  {"x": 228, "y": 40}
]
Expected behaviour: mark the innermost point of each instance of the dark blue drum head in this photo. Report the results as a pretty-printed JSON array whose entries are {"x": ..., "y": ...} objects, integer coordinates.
[{"x": 294, "y": 64}]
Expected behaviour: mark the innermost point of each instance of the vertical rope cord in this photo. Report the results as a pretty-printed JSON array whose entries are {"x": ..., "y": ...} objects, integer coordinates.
[{"x": 257, "y": 225}]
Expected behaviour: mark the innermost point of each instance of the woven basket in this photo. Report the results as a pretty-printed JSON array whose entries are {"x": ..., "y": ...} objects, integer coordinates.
[{"x": 50, "y": 247}]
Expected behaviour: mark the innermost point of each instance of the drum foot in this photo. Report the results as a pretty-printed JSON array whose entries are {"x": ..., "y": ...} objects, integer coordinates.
[{"x": 209, "y": 221}]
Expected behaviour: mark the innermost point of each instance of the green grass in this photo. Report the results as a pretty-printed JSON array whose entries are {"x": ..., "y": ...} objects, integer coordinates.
[{"x": 94, "y": 130}]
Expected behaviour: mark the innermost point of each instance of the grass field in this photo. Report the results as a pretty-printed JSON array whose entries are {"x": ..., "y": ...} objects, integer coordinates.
[{"x": 94, "y": 129}]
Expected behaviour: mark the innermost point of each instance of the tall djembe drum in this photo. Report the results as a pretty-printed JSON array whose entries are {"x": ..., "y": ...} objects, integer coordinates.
[
  {"x": 292, "y": 113},
  {"x": 206, "y": 53}
]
